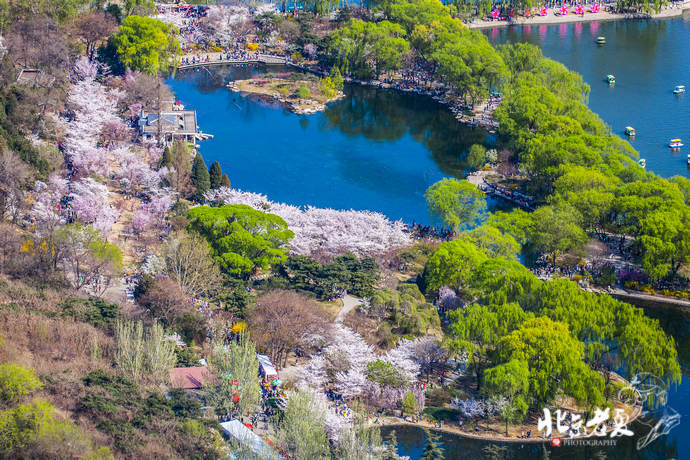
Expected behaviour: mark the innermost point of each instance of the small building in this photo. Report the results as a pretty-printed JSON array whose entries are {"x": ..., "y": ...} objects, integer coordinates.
[
  {"x": 175, "y": 125},
  {"x": 251, "y": 445},
  {"x": 35, "y": 77},
  {"x": 266, "y": 368},
  {"x": 190, "y": 378}
]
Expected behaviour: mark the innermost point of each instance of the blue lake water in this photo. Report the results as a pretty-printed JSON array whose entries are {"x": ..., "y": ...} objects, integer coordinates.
[
  {"x": 374, "y": 149},
  {"x": 647, "y": 57}
]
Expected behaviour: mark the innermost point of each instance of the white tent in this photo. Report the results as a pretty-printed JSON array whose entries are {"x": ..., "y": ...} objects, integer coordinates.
[
  {"x": 252, "y": 445},
  {"x": 266, "y": 367}
]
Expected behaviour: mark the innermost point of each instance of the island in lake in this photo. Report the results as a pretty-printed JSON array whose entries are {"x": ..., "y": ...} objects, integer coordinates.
[{"x": 299, "y": 93}]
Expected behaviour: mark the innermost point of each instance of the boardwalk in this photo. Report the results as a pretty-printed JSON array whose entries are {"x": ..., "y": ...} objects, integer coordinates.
[{"x": 209, "y": 59}]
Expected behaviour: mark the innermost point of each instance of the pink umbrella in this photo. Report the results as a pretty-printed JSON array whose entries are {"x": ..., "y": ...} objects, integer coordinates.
[
  {"x": 579, "y": 9},
  {"x": 595, "y": 8},
  {"x": 564, "y": 10},
  {"x": 495, "y": 14}
]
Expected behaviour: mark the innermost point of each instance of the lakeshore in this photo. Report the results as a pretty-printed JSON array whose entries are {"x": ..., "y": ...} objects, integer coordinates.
[{"x": 671, "y": 11}]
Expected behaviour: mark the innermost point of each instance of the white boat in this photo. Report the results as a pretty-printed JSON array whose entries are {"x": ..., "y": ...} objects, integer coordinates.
[
  {"x": 643, "y": 163},
  {"x": 688, "y": 160},
  {"x": 675, "y": 143},
  {"x": 680, "y": 89}
]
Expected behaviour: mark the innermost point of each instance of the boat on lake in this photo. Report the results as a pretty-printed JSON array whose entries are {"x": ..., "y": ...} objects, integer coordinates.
[
  {"x": 680, "y": 89},
  {"x": 629, "y": 131},
  {"x": 610, "y": 79},
  {"x": 601, "y": 40},
  {"x": 688, "y": 160},
  {"x": 643, "y": 163},
  {"x": 675, "y": 143}
]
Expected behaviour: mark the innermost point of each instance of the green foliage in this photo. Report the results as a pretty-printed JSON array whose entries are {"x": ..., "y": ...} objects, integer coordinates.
[
  {"x": 365, "y": 49},
  {"x": 17, "y": 382},
  {"x": 406, "y": 310},
  {"x": 94, "y": 310},
  {"x": 385, "y": 373},
  {"x": 235, "y": 362},
  {"x": 476, "y": 156},
  {"x": 327, "y": 87},
  {"x": 451, "y": 265},
  {"x": 215, "y": 175},
  {"x": 337, "y": 79},
  {"x": 200, "y": 177},
  {"x": 458, "y": 203},
  {"x": 409, "y": 403},
  {"x": 147, "y": 44},
  {"x": 303, "y": 92},
  {"x": 357, "y": 276},
  {"x": 128, "y": 415},
  {"x": 143, "y": 354},
  {"x": 492, "y": 242},
  {"x": 555, "y": 360},
  {"x": 303, "y": 433},
  {"x": 241, "y": 237},
  {"x": 557, "y": 229}
]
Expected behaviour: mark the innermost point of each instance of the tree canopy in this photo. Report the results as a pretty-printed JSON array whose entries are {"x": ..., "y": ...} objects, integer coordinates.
[
  {"x": 147, "y": 44},
  {"x": 241, "y": 237}
]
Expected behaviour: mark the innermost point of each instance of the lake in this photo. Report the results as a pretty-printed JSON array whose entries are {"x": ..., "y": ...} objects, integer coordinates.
[
  {"x": 647, "y": 57},
  {"x": 375, "y": 149}
]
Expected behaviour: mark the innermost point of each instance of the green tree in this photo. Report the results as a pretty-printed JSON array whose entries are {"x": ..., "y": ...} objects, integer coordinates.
[
  {"x": 17, "y": 382},
  {"x": 409, "y": 403},
  {"x": 303, "y": 432},
  {"x": 385, "y": 373},
  {"x": 236, "y": 370},
  {"x": 665, "y": 244},
  {"x": 303, "y": 92},
  {"x": 476, "y": 156},
  {"x": 143, "y": 354},
  {"x": 432, "y": 449},
  {"x": 510, "y": 381},
  {"x": 147, "y": 44},
  {"x": 557, "y": 229},
  {"x": 241, "y": 237},
  {"x": 555, "y": 360},
  {"x": 492, "y": 242},
  {"x": 451, "y": 265},
  {"x": 215, "y": 175},
  {"x": 200, "y": 177},
  {"x": 458, "y": 203}
]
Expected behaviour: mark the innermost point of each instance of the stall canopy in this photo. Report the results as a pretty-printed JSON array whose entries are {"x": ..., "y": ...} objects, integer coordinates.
[
  {"x": 266, "y": 368},
  {"x": 250, "y": 442}
]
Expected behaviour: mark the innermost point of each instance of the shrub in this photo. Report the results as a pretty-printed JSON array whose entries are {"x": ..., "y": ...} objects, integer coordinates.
[
  {"x": 252, "y": 46},
  {"x": 93, "y": 310},
  {"x": 409, "y": 403},
  {"x": 303, "y": 92},
  {"x": 17, "y": 382},
  {"x": 217, "y": 49},
  {"x": 297, "y": 56}
]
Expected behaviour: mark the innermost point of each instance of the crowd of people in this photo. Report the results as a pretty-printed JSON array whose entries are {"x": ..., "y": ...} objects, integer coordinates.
[{"x": 421, "y": 232}]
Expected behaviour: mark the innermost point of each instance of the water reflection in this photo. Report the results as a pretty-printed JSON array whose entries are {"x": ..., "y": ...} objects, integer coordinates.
[{"x": 374, "y": 149}]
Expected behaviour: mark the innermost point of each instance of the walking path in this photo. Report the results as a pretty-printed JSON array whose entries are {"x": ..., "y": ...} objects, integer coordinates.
[{"x": 349, "y": 303}]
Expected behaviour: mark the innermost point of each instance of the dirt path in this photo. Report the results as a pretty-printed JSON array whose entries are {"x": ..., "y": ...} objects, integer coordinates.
[{"x": 349, "y": 303}]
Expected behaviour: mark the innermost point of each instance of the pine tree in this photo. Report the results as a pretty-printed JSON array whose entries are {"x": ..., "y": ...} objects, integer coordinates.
[
  {"x": 215, "y": 174},
  {"x": 432, "y": 450},
  {"x": 200, "y": 177},
  {"x": 224, "y": 181}
]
